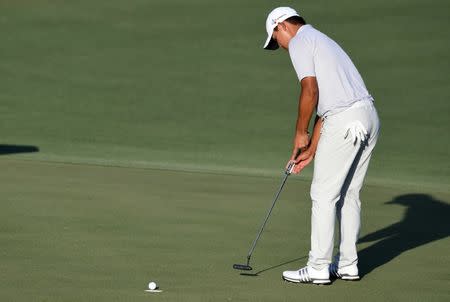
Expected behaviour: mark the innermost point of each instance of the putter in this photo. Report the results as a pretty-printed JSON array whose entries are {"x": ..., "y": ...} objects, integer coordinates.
[{"x": 247, "y": 267}]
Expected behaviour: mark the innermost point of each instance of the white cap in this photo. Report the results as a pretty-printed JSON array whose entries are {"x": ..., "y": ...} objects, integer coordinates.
[{"x": 276, "y": 16}]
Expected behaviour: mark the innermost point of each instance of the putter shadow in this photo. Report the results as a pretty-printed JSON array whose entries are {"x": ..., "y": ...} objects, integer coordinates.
[
  {"x": 272, "y": 267},
  {"x": 425, "y": 220},
  {"x": 14, "y": 149}
]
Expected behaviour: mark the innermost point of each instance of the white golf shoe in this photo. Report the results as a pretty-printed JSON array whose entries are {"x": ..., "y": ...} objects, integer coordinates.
[
  {"x": 349, "y": 273},
  {"x": 308, "y": 275}
]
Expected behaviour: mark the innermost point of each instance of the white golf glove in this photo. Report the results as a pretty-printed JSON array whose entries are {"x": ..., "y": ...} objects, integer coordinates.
[{"x": 357, "y": 131}]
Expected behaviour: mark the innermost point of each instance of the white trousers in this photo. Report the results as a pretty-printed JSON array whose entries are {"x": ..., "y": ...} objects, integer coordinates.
[{"x": 339, "y": 170}]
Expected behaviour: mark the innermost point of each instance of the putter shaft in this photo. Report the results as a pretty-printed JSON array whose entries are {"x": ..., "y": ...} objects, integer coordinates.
[{"x": 288, "y": 171}]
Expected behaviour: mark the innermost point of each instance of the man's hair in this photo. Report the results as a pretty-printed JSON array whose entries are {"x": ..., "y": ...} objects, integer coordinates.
[{"x": 296, "y": 20}]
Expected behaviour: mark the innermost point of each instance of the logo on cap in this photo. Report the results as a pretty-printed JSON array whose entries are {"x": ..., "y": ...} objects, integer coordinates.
[{"x": 275, "y": 21}]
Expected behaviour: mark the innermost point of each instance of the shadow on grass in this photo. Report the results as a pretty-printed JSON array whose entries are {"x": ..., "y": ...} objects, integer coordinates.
[
  {"x": 425, "y": 220},
  {"x": 13, "y": 149}
]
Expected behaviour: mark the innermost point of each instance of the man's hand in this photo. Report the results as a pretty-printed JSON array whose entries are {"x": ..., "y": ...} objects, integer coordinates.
[
  {"x": 303, "y": 160},
  {"x": 307, "y": 155},
  {"x": 301, "y": 142}
]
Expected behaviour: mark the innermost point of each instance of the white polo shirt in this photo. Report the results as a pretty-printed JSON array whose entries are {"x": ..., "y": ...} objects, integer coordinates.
[{"x": 340, "y": 84}]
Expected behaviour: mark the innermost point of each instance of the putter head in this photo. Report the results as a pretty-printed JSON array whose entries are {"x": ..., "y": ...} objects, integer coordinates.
[{"x": 242, "y": 267}]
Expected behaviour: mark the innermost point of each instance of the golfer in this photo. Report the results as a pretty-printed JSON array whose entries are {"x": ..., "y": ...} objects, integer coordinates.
[{"x": 345, "y": 132}]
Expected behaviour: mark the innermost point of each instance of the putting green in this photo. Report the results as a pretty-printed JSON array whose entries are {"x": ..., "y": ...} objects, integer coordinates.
[
  {"x": 80, "y": 232},
  {"x": 143, "y": 140},
  {"x": 174, "y": 84}
]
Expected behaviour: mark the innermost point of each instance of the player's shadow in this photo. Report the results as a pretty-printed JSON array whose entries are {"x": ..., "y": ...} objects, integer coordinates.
[
  {"x": 13, "y": 149},
  {"x": 425, "y": 220}
]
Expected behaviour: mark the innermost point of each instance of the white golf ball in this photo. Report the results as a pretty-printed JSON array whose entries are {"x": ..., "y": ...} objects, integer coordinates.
[{"x": 152, "y": 285}]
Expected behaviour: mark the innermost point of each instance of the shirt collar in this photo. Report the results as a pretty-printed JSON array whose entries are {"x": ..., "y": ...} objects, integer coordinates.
[{"x": 303, "y": 27}]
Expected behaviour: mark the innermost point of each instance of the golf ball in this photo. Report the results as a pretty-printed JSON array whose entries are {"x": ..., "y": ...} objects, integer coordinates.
[{"x": 152, "y": 285}]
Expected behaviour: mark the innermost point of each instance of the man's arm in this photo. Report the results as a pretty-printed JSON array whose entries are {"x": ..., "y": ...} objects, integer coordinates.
[
  {"x": 307, "y": 103},
  {"x": 307, "y": 155}
]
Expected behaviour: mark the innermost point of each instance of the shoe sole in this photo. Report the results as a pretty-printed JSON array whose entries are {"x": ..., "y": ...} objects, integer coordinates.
[
  {"x": 315, "y": 281},
  {"x": 349, "y": 278}
]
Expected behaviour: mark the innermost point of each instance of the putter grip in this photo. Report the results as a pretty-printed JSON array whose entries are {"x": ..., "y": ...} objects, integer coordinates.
[{"x": 290, "y": 167}]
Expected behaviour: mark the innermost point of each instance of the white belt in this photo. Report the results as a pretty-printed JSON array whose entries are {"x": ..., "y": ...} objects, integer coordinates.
[{"x": 362, "y": 103}]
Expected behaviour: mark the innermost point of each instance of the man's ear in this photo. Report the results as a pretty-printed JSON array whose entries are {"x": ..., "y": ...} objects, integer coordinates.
[{"x": 282, "y": 26}]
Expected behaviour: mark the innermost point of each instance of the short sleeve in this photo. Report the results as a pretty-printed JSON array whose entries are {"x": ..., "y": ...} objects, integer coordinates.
[{"x": 302, "y": 58}]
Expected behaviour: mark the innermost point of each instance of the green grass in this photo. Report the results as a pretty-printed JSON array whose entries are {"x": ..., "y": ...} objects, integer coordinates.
[
  {"x": 176, "y": 84},
  {"x": 76, "y": 232},
  {"x": 162, "y": 128}
]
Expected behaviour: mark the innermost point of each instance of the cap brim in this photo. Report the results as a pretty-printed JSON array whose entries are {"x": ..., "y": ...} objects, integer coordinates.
[{"x": 270, "y": 44}]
